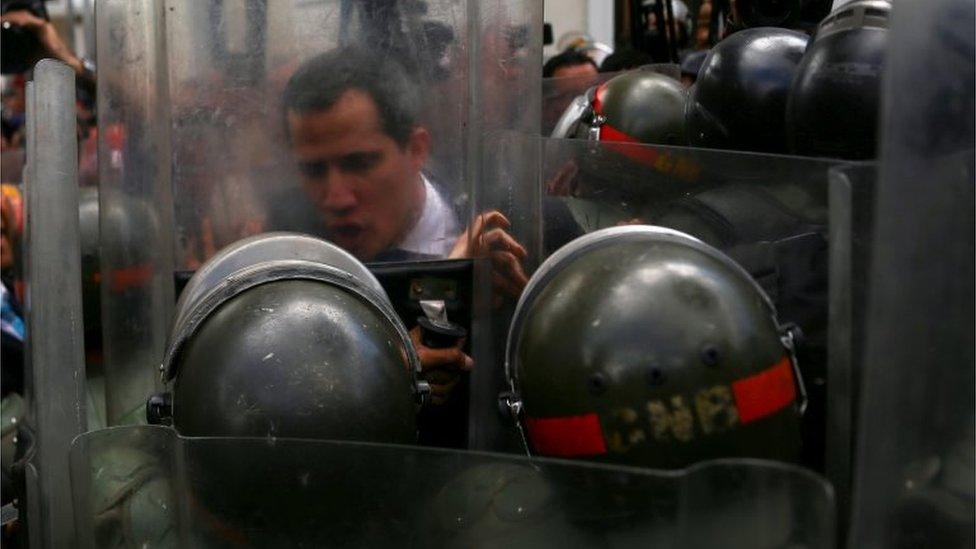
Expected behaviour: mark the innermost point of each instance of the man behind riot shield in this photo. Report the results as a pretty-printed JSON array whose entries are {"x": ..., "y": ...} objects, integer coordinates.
[{"x": 351, "y": 119}]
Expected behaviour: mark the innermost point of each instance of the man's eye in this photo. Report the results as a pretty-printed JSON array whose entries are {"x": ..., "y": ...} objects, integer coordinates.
[
  {"x": 359, "y": 162},
  {"x": 313, "y": 170}
]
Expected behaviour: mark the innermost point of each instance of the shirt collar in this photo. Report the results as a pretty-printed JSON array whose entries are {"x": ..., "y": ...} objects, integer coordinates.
[{"x": 436, "y": 230}]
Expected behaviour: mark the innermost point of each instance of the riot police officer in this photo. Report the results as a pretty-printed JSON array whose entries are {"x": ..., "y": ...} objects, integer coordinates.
[
  {"x": 835, "y": 98},
  {"x": 644, "y": 346}
]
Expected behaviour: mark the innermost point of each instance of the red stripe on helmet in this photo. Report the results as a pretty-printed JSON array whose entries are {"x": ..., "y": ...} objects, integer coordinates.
[
  {"x": 566, "y": 436},
  {"x": 684, "y": 168},
  {"x": 765, "y": 393},
  {"x": 608, "y": 132}
]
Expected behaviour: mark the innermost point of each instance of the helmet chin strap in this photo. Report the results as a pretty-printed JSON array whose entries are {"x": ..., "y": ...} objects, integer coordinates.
[
  {"x": 511, "y": 405},
  {"x": 790, "y": 335}
]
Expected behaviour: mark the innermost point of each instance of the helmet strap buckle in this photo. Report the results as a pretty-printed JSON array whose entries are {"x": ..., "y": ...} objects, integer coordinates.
[
  {"x": 422, "y": 391},
  {"x": 595, "y": 123}
]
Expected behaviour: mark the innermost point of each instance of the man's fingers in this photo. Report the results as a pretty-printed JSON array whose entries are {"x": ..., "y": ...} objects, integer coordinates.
[
  {"x": 22, "y": 18},
  {"x": 451, "y": 357},
  {"x": 498, "y": 239},
  {"x": 505, "y": 285},
  {"x": 493, "y": 218},
  {"x": 507, "y": 265},
  {"x": 563, "y": 182},
  {"x": 474, "y": 241}
]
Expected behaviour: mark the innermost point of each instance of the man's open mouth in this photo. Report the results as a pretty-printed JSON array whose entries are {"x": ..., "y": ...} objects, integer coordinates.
[{"x": 345, "y": 232}]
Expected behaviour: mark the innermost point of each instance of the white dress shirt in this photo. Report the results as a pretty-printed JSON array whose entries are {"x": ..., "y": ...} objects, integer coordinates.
[{"x": 437, "y": 229}]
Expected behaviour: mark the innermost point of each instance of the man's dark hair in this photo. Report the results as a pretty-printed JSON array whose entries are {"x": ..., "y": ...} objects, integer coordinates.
[
  {"x": 568, "y": 58},
  {"x": 319, "y": 83},
  {"x": 625, "y": 59}
]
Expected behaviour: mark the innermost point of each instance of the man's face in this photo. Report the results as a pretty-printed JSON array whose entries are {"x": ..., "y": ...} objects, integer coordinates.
[
  {"x": 580, "y": 71},
  {"x": 367, "y": 187},
  {"x": 567, "y": 83}
]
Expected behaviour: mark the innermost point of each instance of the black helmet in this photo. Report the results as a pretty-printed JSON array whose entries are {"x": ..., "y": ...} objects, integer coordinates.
[
  {"x": 643, "y": 346},
  {"x": 739, "y": 99},
  {"x": 834, "y": 104},
  {"x": 290, "y": 336},
  {"x": 792, "y": 14},
  {"x": 639, "y": 106},
  {"x": 766, "y": 13}
]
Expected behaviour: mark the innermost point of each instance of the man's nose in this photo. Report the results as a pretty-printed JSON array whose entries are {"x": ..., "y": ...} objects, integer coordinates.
[{"x": 339, "y": 196}]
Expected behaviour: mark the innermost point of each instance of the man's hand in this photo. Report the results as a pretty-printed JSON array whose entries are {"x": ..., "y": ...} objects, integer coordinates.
[
  {"x": 487, "y": 237},
  {"x": 47, "y": 35},
  {"x": 441, "y": 368},
  {"x": 23, "y": 19},
  {"x": 564, "y": 183}
]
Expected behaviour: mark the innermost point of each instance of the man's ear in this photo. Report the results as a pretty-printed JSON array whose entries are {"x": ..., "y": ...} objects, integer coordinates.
[{"x": 418, "y": 146}]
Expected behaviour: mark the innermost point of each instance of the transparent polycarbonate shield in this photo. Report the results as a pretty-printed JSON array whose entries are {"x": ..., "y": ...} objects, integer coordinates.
[
  {"x": 768, "y": 213},
  {"x": 599, "y": 185},
  {"x": 54, "y": 358},
  {"x": 469, "y": 66},
  {"x": 148, "y": 487},
  {"x": 135, "y": 201},
  {"x": 194, "y": 152},
  {"x": 915, "y": 443}
]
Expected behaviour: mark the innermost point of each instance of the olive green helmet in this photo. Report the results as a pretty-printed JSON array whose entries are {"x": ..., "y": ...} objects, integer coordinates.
[
  {"x": 644, "y": 346},
  {"x": 286, "y": 335},
  {"x": 639, "y": 106}
]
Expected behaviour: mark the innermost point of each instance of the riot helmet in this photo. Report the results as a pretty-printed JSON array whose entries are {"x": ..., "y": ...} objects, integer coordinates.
[
  {"x": 639, "y": 106},
  {"x": 834, "y": 103},
  {"x": 643, "y": 346},
  {"x": 285, "y": 335},
  {"x": 739, "y": 99},
  {"x": 792, "y": 14}
]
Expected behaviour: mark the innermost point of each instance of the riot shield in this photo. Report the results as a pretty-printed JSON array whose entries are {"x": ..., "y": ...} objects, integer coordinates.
[
  {"x": 148, "y": 487},
  {"x": 55, "y": 384},
  {"x": 769, "y": 213},
  {"x": 914, "y": 482},
  {"x": 194, "y": 152}
]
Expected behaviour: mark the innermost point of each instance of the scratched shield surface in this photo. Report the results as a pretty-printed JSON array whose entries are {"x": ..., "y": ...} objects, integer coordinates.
[{"x": 146, "y": 486}]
